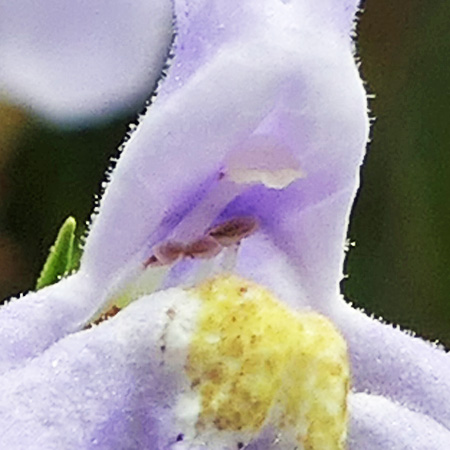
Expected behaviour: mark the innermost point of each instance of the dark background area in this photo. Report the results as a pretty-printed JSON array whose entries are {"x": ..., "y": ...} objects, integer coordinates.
[
  {"x": 399, "y": 268},
  {"x": 401, "y": 220}
]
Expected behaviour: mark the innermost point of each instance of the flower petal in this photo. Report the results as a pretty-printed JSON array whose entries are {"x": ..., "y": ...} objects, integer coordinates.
[
  {"x": 387, "y": 362},
  {"x": 338, "y": 14},
  {"x": 72, "y": 60},
  {"x": 32, "y": 323},
  {"x": 308, "y": 95},
  {"x": 205, "y": 25},
  {"x": 379, "y": 424},
  {"x": 105, "y": 387}
]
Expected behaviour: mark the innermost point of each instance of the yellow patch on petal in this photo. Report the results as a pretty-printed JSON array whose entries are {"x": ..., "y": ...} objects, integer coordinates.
[{"x": 254, "y": 362}]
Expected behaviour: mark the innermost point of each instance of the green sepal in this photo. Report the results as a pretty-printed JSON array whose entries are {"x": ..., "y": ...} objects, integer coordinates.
[{"x": 62, "y": 258}]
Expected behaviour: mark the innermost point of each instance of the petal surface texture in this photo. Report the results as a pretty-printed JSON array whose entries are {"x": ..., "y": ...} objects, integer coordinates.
[
  {"x": 75, "y": 60},
  {"x": 378, "y": 424},
  {"x": 102, "y": 388},
  {"x": 387, "y": 362},
  {"x": 31, "y": 324}
]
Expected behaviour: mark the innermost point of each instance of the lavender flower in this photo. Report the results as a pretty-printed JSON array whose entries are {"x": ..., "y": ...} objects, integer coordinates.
[
  {"x": 256, "y": 136},
  {"x": 76, "y": 60}
]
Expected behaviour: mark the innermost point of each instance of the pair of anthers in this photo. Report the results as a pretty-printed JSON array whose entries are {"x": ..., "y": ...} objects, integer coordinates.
[{"x": 226, "y": 234}]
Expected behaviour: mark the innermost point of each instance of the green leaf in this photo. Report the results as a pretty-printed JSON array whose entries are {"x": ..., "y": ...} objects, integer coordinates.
[{"x": 60, "y": 260}]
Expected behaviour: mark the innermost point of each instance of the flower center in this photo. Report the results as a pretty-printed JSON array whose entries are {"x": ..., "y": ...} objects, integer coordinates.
[{"x": 256, "y": 364}]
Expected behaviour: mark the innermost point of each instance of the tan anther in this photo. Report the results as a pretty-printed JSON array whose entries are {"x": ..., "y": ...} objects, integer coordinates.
[
  {"x": 234, "y": 230},
  {"x": 168, "y": 252},
  {"x": 203, "y": 248}
]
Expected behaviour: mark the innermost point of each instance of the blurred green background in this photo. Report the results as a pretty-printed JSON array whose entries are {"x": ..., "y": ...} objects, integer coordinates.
[
  {"x": 399, "y": 268},
  {"x": 401, "y": 221}
]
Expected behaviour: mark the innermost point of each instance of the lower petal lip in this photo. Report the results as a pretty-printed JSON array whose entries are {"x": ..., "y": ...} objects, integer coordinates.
[
  {"x": 378, "y": 423},
  {"x": 32, "y": 324},
  {"x": 389, "y": 363}
]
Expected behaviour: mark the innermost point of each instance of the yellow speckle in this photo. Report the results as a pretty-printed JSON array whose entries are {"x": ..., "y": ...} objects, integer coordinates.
[{"x": 255, "y": 362}]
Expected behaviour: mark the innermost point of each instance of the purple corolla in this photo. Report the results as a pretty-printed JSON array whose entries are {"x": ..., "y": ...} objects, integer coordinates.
[{"x": 262, "y": 118}]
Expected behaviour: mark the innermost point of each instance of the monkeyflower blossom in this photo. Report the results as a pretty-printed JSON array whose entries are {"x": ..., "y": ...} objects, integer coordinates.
[{"x": 215, "y": 255}]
